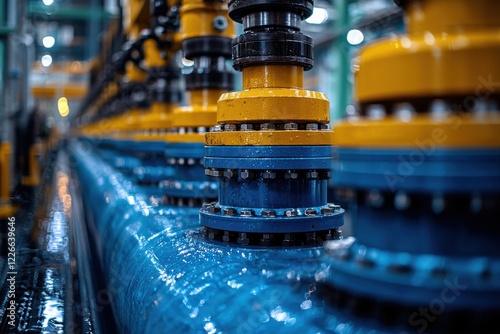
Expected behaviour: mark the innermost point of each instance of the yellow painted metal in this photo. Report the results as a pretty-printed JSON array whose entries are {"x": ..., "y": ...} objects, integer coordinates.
[
  {"x": 463, "y": 130},
  {"x": 136, "y": 17},
  {"x": 197, "y": 17},
  {"x": 185, "y": 138},
  {"x": 5, "y": 154},
  {"x": 69, "y": 90},
  {"x": 273, "y": 76},
  {"x": 429, "y": 65},
  {"x": 197, "y": 20},
  {"x": 273, "y": 104},
  {"x": 272, "y": 93},
  {"x": 441, "y": 15},
  {"x": 195, "y": 116},
  {"x": 7, "y": 210},
  {"x": 202, "y": 112},
  {"x": 277, "y": 138},
  {"x": 134, "y": 73},
  {"x": 452, "y": 48},
  {"x": 152, "y": 55},
  {"x": 151, "y": 125}
]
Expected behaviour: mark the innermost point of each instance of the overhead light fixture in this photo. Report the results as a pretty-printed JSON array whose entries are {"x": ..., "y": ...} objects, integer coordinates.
[
  {"x": 48, "y": 41},
  {"x": 48, "y": 2},
  {"x": 355, "y": 37},
  {"x": 319, "y": 16},
  {"x": 63, "y": 107},
  {"x": 46, "y": 60}
]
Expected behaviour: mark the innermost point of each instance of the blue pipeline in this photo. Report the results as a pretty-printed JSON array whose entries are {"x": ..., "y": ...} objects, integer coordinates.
[
  {"x": 142, "y": 161},
  {"x": 165, "y": 278}
]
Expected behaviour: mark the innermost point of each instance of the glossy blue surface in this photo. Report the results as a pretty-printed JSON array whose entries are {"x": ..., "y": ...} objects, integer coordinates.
[
  {"x": 289, "y": 181},
  {"x": 188, "y": 179},
  {"x": 164, "y": 278},
  {"x": 418, "y": 170},
  {"x": 426, "y": 234}
]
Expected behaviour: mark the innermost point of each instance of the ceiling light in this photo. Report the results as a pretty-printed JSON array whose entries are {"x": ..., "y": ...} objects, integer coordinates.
[
  {"x": 48, "y": 41},
  {"x": 355, "y": 37},
  {"x": 46, "y": 60},
  {"x": 63, "y": 107},
  {"x": 319, "y": 16}
]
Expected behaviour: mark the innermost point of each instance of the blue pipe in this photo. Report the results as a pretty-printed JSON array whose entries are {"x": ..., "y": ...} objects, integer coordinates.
[{"x": 163, "y": 277}]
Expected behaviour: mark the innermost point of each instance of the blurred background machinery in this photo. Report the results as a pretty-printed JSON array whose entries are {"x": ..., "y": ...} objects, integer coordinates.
[{"x": 249, "y": 166}]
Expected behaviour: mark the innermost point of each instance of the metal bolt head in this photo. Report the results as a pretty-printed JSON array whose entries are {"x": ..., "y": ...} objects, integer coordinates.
[
  {"x": 268, "y": 213},
  {"x": 291, "y": 175},
  {"x": 208, "y": 172},
  {"x": 291, "y": 126},
  {"x": 230, "y": 212},
  {"x": 242, "y": 239},
  {"x": 216, "y": 128},
  {"x": 244, "y": 174},
  {"x": 334, "y": 206},
  {"x": 401, "y": 201},
  {"x": 311, "y": 212},
  {"x": 266, "y": 239},
  {"x": 326, "y": 211},
  {"x": 214, "y": 209},
  {"x": 267, "y": 126},
  {"x": 181, "y": 161},
  {"x": 337, "y": 233},
  {"x": 288, "y": 240},
  {"x": 230, "y": 127},
  {"x": 228, "y": 173},
  {"x": 312, "y": 175},
  {"x": 190, "y": 161},
  {"x": 246, "y": 213},
  {"x": 325, "y": 127},
  {"x": 375, "y": 198},
  {"x": 291, "y": 213},
  {"x": 246, "y": 127},
  {"x": 220, "y": 23},
  {"x": 225, "y": 237},
  {"x": 312, "y": 126},
  {"x": 268, "y": 175},
  {"x": 215, "y": 173},
  {"x": 201, "y": 129}
]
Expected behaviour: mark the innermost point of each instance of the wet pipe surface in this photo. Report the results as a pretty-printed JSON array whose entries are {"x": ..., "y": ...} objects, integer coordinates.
[{"x": 164, "y": 278}]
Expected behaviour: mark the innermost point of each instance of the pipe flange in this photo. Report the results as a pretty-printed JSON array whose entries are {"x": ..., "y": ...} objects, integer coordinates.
[
  {"x": 272, "y": 239},
  {"x": 273, "y": 47},
  {"x": 238, "y": 9}
]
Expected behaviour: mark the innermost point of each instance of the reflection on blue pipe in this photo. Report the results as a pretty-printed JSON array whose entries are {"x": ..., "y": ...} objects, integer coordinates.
[{"x": 164, "y": 278}]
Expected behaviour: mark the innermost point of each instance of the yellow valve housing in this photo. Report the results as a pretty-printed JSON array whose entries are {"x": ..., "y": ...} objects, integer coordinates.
[{"x": 272, "y": 93}]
